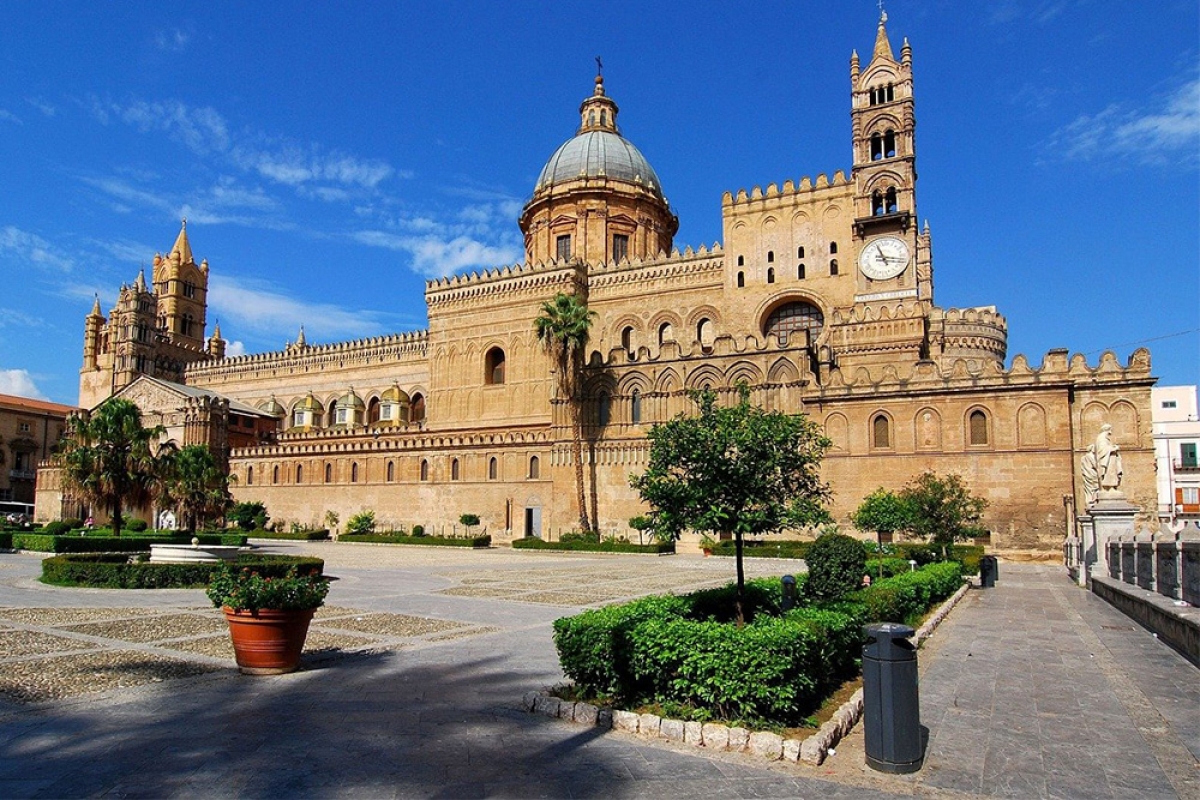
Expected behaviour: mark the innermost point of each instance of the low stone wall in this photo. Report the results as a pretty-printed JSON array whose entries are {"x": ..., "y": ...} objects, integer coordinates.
[{"x": 1175, "y": 622}]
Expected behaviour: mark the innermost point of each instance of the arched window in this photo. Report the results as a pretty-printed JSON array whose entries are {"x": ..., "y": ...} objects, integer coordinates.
[
  {"x": 741, "y": 261},
  {"x": 424, "y": 470},
  {"x": 770, "y": 256},
  {"x": 741, "y": 279},
  {"x": 833, "y": 248},
  {"x": 373, "y": 411},
  {"x": 833, "y": 266},
  {"x": 185, "y": 325},
  {"x": 535, "y": 467},
  {"x": 978, "y": 423},
  {"x": 354, "y": 472},
  {"x": 250, "y": 476},
  {"x": 455, "y": 470},
  {"x": 876, "y": 147},
  {"x": 770, "y": 274},
  {"x": 418, "y": 408},
  {"x": 391, "y": 471},
  {"x": 331, "y": 417},
  {"x": 665, "y": 334},
  {"x": 627, "y": 340},
  {"x": 798, "y": 316},
  {"x": 705, "y": 334},
  {"x": 800, "y": 252},
  {"x": 800, "y": 272},
  {"x": 890, "y": 201},
  {"x": 329, "y": 473},
  {"x": 635, "y": 407},
  {"x": 275, "y": 474},
  {"x": 877, "y": 207},
  {"x": 891, "y": 95},
  {"x": 889, "y": 144},
  {"x": 299, "y": 473},
  {"x": 881, "y": 432},
  {"x": 603, "y": 409},
  {"x": 493, "y": 468},
  {"x": 493, "y": 367}
]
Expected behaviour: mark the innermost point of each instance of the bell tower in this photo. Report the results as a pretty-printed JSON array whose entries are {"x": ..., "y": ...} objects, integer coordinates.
[
  {"x": 181, "y": 288},
  {"x": 893, "y": 254}
]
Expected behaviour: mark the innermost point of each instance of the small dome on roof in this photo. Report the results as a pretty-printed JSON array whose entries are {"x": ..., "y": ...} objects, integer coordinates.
[
  {"x": 351, "y": 400},
  {"x": 273, "y": 408},
  {"x": 310, "y": 403},
  {"x": 395, "y": 395}
]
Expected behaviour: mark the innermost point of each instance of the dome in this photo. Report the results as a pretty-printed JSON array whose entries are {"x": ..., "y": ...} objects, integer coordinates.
[
  {"x": 395, "y": 395},
  {"x": 351, "y": 400},
  {"x": 310, "y": 403},
  {"x": 598, "y": 154},
  {"x": 273, "y": 408}
]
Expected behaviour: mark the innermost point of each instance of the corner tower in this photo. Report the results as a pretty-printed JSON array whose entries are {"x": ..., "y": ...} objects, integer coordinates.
[
  {"x": 597, "y": 199},
  {"x": 181, "y": 289}
]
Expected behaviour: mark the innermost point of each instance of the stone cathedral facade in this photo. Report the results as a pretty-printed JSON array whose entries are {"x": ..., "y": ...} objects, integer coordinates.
[{"x": 821, "y": 299}]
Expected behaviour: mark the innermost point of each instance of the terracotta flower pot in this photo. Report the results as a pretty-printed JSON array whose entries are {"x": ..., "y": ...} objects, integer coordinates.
[{"x": 267, "y": 641}]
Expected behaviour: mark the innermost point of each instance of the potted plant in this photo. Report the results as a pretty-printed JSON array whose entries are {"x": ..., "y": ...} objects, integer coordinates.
[
  {"x": 268, "y": 617},
  {"x": 707, "y": 543}
]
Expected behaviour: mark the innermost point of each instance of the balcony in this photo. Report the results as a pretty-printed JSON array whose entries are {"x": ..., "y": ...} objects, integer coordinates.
[
  {"x": 22, "y": 474},
  {"x": 1180, "y": 465}
]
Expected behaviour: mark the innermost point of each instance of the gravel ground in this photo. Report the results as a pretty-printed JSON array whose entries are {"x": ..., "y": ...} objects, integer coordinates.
[
  {"x": 68, "y": 676},
  {"x": 68, "y": 616},
  {"x": 155, "y": 628},
  {"x": 20, "y": 644},
  {"x": 396, "y": 625}
]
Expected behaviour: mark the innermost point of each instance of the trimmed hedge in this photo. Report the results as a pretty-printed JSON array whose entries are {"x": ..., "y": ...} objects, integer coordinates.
[
  {"x": 304, "y": 536},
  {"x": 532, "y": 543},
  {"x": 775, "y": 670},
  {"x": 73, "y": 543},
  {"x": 966, "y": 554},
  {"x": 436, "y": 541},
  {"x": 784, "y": 548},
  {"x": 115, "y": 570}
]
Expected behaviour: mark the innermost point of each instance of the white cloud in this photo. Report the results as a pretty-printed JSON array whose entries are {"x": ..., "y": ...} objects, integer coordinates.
[
  {"x": 235, "y": 349},
  {"x": 20, "y": 383},
  {"x": 8, "y": 116},
  {"x": 259, "y": 307},
  {"x": 223, "y": 203},
  {"x": 41, "y": 105},
  {"x": 32, "y": 249},
  {"x": 172, "y": 41},
  {"x": 435, "y": 257},
  {"x": 1166, "y": 132}
]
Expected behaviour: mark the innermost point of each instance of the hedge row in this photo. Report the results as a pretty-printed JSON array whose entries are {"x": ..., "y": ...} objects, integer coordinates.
[
  {"x": 532, "y": 543},
  {"x": 437, "y": 541},
  {"x": 45, "y": 543},
  {"x": 119, "y": 571},
  {"x": 967, "y": 554},
  {"x": 305, "y": 536},
  {"x": 775, "y": 670},
  {"x": 784, "y": 548}
]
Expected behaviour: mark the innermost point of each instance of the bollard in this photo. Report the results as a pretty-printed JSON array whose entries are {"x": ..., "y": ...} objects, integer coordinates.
[
  {"x": 891, "y": 705},
  {"x": 789, "y": 592}
]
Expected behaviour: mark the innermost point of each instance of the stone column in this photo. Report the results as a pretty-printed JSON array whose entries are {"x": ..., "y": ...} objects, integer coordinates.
[
  {"x": 1111, "y": 518},
  {"x": 1090, "y": 553}
]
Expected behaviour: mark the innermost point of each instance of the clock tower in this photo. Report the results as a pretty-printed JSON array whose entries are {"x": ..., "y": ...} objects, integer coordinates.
[{"x": 891, "y": 252}]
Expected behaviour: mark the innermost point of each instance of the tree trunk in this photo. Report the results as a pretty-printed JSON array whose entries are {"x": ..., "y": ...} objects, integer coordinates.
[
  {"x": 577, "y": 455},
  {"x": 592, "y": 486},
  {"x": 740, "y": 597},
  {"x": 116, "y": 516}
]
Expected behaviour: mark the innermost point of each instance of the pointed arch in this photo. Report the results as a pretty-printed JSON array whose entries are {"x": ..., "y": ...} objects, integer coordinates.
[
  {"x": 837, "y": 429},
  {"x": 927, "y": 429},
  {"x": 1031, "y": 426}
]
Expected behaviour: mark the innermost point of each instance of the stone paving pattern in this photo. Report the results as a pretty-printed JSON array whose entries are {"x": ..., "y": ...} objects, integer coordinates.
[{"x": 1032, "y": 689}]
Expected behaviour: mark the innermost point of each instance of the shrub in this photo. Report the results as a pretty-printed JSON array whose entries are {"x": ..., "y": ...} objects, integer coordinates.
[
  {"x": 418, "y": 530},
  {"x": 297, "y": 533},
  {"x": 532, "y": 543},
  {"x": 246, "y": 515},
  {"x": 246, "y": 589},
  {"x": 442, "y": 541},
  {"x": 469, "y": 520},
  {"x": 780, "y": 548},
  {"x": 592, "y": 537},
  {"x": 56, "y": 528},
  {"x": 136, "y": 525},
  {"x": 906, "y": 597},
  {"x": 836, "y": 565},
  {"x": 361, "y": 524},
  {"x": 73, "y": 523}
]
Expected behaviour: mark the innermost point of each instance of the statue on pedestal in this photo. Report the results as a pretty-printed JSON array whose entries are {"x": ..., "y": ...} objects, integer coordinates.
[
  {"x": 1090, "y": 475},
  {"x": 1108, "y": 460}
]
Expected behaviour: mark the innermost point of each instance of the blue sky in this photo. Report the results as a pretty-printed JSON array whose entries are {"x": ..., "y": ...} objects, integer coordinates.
[{"x": 332, "y": 157}]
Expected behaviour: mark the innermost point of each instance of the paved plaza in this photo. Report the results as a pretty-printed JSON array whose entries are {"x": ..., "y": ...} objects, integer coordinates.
[{"x": 414, "y": 673}]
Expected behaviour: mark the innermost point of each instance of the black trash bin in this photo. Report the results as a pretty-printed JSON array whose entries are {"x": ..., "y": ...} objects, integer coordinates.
[
  {"x": 891, "y": 706},
  {"x": 989, "y": 570}
]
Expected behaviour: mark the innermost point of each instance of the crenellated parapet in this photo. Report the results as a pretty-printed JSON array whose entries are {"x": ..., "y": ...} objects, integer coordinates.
[
  {"x": 801, "y": 192},
  {"x": 928, "y": 376},
  {"x": 689, "y": 267},
  {"x": 408, "y": 346},
  {"x": 413, "y": 439},
  {"x": 534, "y": 281},
  {"x": 979, "y": 333}
]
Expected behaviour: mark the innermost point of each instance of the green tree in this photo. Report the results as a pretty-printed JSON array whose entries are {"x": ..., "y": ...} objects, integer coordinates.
[
  {"x": 563, "y": 328},
  {"x": 469, "y": 521},
  {"x": 361, "y": 524},
  {"x": 883, "y": 512},
  {"x": 111, "y": 458},
  {"x": 942, "y": 509},
  {"x": 249, "y": 515},
  {"x": 734, "y": 470},
  {"x": 198, "y": 485}
]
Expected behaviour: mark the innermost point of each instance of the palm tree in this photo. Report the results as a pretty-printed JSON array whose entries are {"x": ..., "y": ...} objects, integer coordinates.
[
  {"x": 563, "y": 328},
  {"x": 199, "y": 485},
  {"x": 109, "y": 457}
]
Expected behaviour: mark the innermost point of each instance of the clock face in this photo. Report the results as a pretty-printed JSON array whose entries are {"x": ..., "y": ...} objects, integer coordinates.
[{"x": 883, "y": 258}]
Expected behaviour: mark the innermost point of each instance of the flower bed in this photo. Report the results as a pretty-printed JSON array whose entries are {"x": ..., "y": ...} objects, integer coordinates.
[
  {"x": 686, "y": 654},
  {"x": 593, "y": 547},
  {"x": 436, "y": 541},
  {"x": 118, "y": 571}
]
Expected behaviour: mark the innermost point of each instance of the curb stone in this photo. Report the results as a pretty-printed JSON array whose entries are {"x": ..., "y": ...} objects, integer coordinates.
[{"x": 716, "y": 736}]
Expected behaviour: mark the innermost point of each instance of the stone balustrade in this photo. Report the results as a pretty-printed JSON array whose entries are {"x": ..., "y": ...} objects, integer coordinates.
[{"x": 1166, "y": 561}]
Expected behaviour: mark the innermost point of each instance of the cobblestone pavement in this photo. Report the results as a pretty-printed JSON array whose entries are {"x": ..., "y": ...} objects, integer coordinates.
[{"x": 413, "y": 674}]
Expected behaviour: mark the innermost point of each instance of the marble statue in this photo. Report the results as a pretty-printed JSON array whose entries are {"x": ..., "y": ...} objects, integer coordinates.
[
  {"x": 1090, "y": 474},
  {"x": 1108, "y": 459}
]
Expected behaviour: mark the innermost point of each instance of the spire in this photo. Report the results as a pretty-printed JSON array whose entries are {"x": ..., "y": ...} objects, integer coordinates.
[
  {"x": 96, "y": 308},
  {"x": 216, "y": 334},
  {"x": 182, "y": 246},
  {"x": 300, "y": 339},
  {"x": 883, "y": 48},
  {"x": 140, "y": 283},
  {"x": 598, "y": 112}
]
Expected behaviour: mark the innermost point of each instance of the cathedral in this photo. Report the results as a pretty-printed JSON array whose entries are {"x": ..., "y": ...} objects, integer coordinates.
[{"x": 820, "y": 299}]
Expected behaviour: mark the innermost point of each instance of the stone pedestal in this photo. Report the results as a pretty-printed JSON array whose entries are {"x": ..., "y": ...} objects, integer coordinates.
[
  {"x": 1110, "y": 517},
  {"x": 1091, "y": 554}
]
